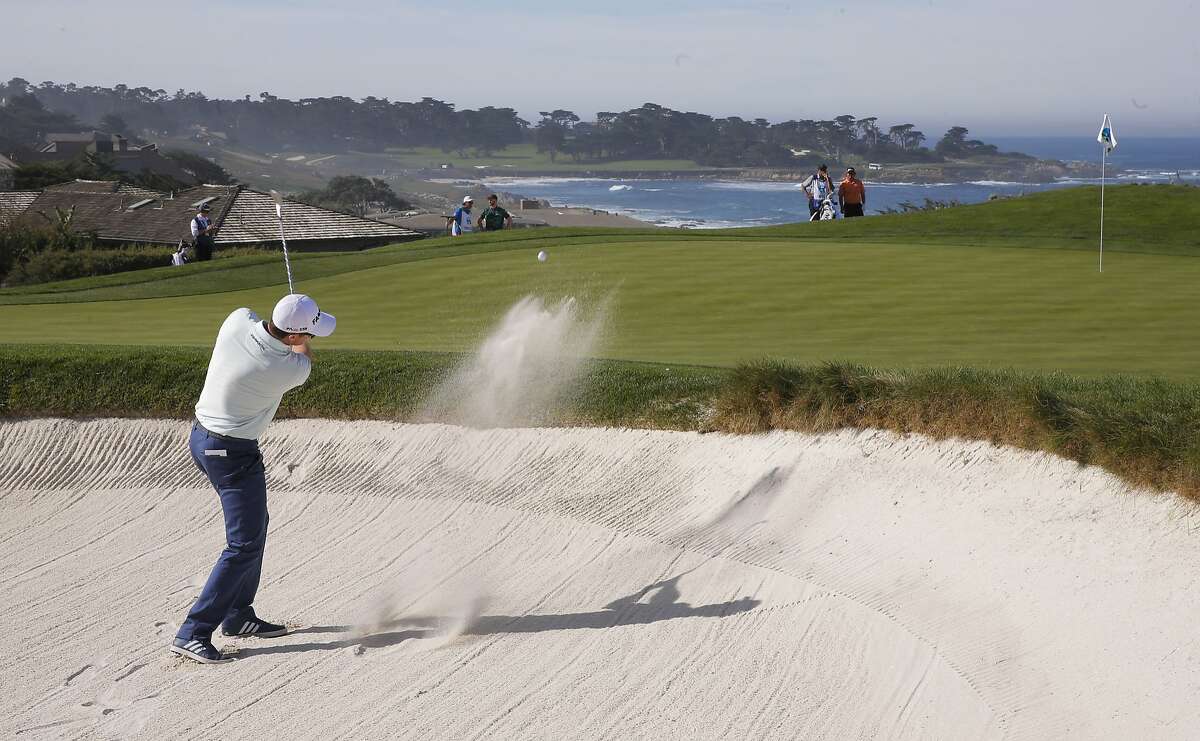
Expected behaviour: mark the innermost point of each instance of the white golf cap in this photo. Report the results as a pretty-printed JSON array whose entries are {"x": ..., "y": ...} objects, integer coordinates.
[
  {"x": 468, "y": 199},
  {"x": 298, "y": 314}
]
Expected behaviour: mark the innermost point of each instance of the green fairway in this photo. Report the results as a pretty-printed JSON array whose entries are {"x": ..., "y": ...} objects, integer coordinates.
[
  {"x": 906, "y": 291},
  {"x": 715, "y": 302}
]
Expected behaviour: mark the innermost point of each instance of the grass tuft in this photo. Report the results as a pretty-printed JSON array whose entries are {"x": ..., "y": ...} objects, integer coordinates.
[{"x": 1147, "y": 431}]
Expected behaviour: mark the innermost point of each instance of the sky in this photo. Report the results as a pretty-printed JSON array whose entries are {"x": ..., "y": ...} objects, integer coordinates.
[{"x": 1013, "y": 68}]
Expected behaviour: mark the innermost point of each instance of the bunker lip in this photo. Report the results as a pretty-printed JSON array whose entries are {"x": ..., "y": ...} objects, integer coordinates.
[{"x": 595, "y": 582}]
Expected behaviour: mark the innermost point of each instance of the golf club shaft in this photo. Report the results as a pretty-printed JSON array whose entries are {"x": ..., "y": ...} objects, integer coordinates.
[{"x": 287, "y": 263}]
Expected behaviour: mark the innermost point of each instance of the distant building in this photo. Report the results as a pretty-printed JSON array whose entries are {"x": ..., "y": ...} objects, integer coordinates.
[
  {"x": 6, "y": 172},
  {"x": 125, "y": 157},
  {"x": 874, "y": 166},
  {"x": 71, "y": 145},
  {"x": 243, "y": 217}
]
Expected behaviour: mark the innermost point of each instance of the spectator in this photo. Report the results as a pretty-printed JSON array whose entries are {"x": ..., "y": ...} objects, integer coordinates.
[
  {"x": 202, "y": 231},
  {"x": 460, "y": 222},
  {"x": 852, "y": 195},
  {"x": 819, "y": 186},
  {"x": 495, "y": 217}
]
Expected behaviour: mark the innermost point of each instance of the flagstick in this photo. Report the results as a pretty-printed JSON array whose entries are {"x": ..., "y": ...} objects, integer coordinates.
[{"x": 1103, "y": 158}]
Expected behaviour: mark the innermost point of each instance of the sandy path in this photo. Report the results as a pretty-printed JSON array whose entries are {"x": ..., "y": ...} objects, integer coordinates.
[{"x": 584, "y": 584}]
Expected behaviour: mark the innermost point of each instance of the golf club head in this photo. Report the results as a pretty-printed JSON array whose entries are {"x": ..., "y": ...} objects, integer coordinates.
[{"x": 277, "y": 197}]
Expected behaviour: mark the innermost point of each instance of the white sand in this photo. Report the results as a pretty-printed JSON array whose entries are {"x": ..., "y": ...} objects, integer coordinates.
[{"x": 598, "y": 584}]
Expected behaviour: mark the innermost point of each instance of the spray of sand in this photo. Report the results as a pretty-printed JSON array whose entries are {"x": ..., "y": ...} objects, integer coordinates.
[
  {"x": 522, "y": 370},
  {"x": 436, "y": 612},
  {"x": 518, "y": 376}
]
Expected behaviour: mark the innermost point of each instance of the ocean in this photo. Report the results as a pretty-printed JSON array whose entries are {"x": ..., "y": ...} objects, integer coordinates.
[
  {"x": 1158, "y": 154},
  {"x": 717, "y": 204}
]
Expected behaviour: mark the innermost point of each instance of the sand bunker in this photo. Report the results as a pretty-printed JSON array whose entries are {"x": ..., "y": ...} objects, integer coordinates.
[{"x": 539, "y": 583}]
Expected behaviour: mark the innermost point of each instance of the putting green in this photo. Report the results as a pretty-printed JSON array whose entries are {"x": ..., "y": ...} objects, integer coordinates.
[{"x": 724, "y": 301}]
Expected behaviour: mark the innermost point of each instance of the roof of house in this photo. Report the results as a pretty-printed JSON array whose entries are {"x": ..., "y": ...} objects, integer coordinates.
[
  {"x": 102, "y": 186},
  {"x": 14, "y": 202},
  {"x": 251, "y": 218},
  {"x": 115, "y": 216},
  {"x": 240, "y": 215},
  {"x": 87, "y": 136}
]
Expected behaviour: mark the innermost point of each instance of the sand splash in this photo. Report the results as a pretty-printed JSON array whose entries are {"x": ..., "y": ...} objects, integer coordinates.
[{"x": 522, "y": 370}]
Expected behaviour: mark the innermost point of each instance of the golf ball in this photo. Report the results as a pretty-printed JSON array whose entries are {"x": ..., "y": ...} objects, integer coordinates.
[{"x": 542, "y": 256}]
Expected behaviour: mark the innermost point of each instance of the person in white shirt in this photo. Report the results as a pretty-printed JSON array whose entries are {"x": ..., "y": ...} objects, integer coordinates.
[
  {"x": 254, "y": 363},
  {"x": 460, "y": 222}
]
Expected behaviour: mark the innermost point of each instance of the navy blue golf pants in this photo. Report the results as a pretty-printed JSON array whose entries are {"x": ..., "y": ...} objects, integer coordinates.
[{"x": 235, "y": 468}]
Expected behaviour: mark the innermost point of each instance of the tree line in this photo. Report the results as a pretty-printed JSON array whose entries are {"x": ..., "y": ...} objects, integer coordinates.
[{"x": 338, "y": 123}]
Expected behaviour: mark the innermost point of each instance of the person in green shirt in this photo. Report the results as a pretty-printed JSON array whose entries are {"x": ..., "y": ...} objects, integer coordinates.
[{"x": 495, "y": 217}]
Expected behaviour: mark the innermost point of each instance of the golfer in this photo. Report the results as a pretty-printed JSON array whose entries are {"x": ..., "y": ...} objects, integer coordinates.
[
  {"x": 495, "y": 217},
  {"x": 852, "y": 194},
  {"x": 253, "y": 364}
]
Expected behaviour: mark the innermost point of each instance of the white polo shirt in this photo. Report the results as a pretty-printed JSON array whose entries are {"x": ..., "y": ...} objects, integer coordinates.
[{"x": 247, "y": 377}]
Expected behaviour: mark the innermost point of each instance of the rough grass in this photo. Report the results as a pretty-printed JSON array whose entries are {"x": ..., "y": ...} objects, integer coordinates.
[
  {"x": 164, "y": 382},
  {"x": 1147, "y": 431}
]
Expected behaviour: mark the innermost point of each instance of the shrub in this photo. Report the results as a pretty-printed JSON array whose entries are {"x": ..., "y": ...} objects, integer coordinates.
[{"x": 51, "y": 265}]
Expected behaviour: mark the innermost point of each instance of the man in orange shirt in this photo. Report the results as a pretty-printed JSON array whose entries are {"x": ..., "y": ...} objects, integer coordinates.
[{"x": 852, "y": 195}]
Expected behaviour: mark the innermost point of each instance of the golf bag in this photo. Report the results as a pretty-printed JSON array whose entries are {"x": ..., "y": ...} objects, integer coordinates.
[{"x": 826, "y": 211}]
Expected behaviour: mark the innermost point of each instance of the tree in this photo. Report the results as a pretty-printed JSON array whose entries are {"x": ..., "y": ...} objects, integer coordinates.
[
  {"x": 552, "y": 131},
  {"x": 869, "y": 130},
  {"x": 355, "y": 195},
  {"x": 24, "y": 122},
  {"x": 204, "y": 170},
  {"x": 953, "y": 142},
  {"x": 899, "y": 134},
  {"x": 112, "y": 123},
  {"x": 956, "y": 144}
]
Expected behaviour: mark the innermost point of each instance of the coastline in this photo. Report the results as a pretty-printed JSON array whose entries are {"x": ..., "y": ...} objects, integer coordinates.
[{"x": 1019, "y": 170}]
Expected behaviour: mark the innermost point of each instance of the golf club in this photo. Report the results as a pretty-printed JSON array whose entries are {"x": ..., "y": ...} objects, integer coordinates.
[{"x": 287, "y": 263}]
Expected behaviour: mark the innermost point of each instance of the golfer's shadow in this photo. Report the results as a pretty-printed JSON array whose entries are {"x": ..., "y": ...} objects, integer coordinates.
[{"x": 632, "y": 609}]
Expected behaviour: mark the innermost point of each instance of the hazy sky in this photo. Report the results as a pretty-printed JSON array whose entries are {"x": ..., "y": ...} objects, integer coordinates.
[{"x": 998, "y": 67}]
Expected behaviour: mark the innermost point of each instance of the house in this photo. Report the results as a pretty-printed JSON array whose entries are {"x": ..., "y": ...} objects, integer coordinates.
[
  {"x": 72, "y": 145},
  {"x": 7, "y": 167},
  {"x": 125, "y": 157},
  {"x": 118, "y": 213}
]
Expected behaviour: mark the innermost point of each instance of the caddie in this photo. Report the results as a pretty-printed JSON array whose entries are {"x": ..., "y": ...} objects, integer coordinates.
[{"x": 254, "y": 363}]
